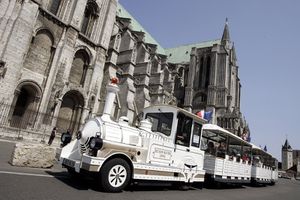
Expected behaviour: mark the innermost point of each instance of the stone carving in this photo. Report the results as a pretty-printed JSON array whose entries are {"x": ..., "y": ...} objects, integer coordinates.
[
  {"x": 134, "y": 53},
  {"x": 236, "y": 123},
  {"x": 20, "y": 1},
  {"x": 117, "y": 42}
]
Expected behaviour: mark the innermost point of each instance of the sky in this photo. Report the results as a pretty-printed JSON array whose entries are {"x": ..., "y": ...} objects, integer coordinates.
[{"x": 266, "y": 34}]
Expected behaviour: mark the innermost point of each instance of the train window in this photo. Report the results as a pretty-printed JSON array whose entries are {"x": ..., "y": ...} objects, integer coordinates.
[
  {"x": 222, "y": 149},
  {"x": 204, "y": 142},
  {"x": 161, "y": 122},
  {"x": 196, "y": 135},
  {"x": 183, "y": 134},
  {"x": 235, "y": 148},
  {"x": 214, "y": 143},
  {"x": 246, "y": 156}
]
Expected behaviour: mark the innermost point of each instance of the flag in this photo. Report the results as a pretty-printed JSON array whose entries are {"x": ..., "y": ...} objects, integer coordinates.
[
  {"x": 200, "y": 114},
  {"x": 208, "y": 115},
  {"x": 265, "y": 148},
  {"x": 249, "y": 139}
]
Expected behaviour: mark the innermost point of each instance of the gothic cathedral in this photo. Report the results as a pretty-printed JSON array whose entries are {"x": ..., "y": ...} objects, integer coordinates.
[{"x": 56, "y": 58}]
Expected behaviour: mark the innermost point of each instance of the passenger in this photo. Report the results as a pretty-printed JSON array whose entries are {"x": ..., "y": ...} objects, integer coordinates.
[
  {"x": 211, "y": 148},
  {"x": 233, "y": 152},
  {"x": 221, "y": 151},
  {"x": 256, "y": 161},
  {"x": 182, "y": 139},
  {"x": 245, "y": 157}
]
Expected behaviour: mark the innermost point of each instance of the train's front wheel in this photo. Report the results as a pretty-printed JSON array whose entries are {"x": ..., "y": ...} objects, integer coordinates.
[{"x": 115, "y": 175}]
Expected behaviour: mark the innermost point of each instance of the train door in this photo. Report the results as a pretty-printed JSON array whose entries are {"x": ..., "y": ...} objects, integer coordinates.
[
  {"x": 161, "y": 152},
  {"x": 187, "y": 153}
]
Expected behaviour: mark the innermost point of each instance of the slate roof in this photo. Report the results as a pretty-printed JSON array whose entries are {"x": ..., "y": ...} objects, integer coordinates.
[
  {"x": 181, "y": 54},
  {"x": 286, "y": 145},
  {"x": 136, "y": 26}
]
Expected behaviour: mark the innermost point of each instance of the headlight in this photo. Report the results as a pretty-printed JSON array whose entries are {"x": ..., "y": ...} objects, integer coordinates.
[
  {"x": 96, "y": 143},
  {"x": 66, "y": 138},
  {"x": 92, "y": 143}
]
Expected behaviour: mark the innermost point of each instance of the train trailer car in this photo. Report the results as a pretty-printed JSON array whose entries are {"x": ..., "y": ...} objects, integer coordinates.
[
  {"x": 164, "y": 147},
  {"x": 264, "y": 167},
  {"x": 227, "y": 156}
]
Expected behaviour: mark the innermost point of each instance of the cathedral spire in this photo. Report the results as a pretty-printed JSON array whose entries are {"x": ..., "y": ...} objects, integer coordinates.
[
  {"x": 226, "y": 36},
  {"x": 233, "y": 52},
  {"x": 286, "y": 145}
]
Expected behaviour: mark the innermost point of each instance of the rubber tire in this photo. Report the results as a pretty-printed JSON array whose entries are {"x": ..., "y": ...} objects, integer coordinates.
[{"x": 104, "y": 173}]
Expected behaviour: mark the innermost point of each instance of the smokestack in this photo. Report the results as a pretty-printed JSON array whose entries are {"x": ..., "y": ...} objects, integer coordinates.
[{"x": 112, "y": 90}]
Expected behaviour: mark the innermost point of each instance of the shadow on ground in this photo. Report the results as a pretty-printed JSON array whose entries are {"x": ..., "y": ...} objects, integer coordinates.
[
  {"x": 76, "y": 181},
  {"x": 81, "y": 182}
]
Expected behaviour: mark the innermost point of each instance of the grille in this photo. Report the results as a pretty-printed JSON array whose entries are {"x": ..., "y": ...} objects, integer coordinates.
[{"x": 85, "y": 146}]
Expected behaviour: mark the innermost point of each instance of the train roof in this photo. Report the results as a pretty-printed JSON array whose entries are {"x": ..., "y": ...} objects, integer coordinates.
[
  {"x": 175, "y": 109},
  {"x": 260, "y": 149},
  {"x": 216, "y": 128}
]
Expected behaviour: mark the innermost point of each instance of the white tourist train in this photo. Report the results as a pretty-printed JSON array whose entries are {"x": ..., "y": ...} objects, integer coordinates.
[{"x": 169, "y": 145}]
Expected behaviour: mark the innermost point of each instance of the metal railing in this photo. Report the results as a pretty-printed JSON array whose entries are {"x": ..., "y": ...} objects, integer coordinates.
[{"x": 20, "y": 119}]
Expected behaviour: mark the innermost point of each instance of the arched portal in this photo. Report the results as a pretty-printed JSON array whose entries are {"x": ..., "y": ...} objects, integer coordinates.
[
  {"x": 70, "y": 112},
  {"x": 24, "y": 107}
]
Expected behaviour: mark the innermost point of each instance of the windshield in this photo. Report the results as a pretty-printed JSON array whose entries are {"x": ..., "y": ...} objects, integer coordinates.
[{"x": 161, "y": 122}]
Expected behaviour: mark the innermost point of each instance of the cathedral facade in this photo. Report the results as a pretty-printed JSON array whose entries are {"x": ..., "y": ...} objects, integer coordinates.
[
  {"x": 56, "y": 57},
  {"x": 52, "y": 56}
]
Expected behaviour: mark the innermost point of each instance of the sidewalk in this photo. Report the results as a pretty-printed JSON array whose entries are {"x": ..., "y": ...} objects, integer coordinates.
[
  {"x": 55, "y": 143},
  {"x": 6, "y": 149}
]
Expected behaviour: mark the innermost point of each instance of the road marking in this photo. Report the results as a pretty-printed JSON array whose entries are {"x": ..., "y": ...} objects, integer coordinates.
[{"x": 30, "y": 174}]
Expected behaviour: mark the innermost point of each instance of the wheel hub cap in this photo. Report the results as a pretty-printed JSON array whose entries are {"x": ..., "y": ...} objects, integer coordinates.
[{"x": 117, "y": 176}]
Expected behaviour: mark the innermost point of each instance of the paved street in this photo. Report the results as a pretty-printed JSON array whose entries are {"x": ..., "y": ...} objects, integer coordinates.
[{"x": 18, "y": 183}]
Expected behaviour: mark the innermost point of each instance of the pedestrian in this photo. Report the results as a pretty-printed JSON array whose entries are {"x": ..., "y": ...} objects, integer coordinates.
[
  {"x": 52, "y": 136},
  {"x": 66, "y": 138}
]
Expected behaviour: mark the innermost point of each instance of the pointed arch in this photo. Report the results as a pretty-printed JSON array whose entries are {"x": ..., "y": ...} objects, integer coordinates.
[
  {"x": 79, "y": 68},
  {"x": 155, "y": 68},
  {"x": 54, "y": 6},
  {"x": 181, "y": 72},
  {"x": 201, "y": 72},
  {"x": 91, "y": 14},
  {"x": 40, "y": 53},
  {"x": 86, "y": 49},
  {"x": 70, "y": 112},
  {"x": 208, "y": 70}
]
